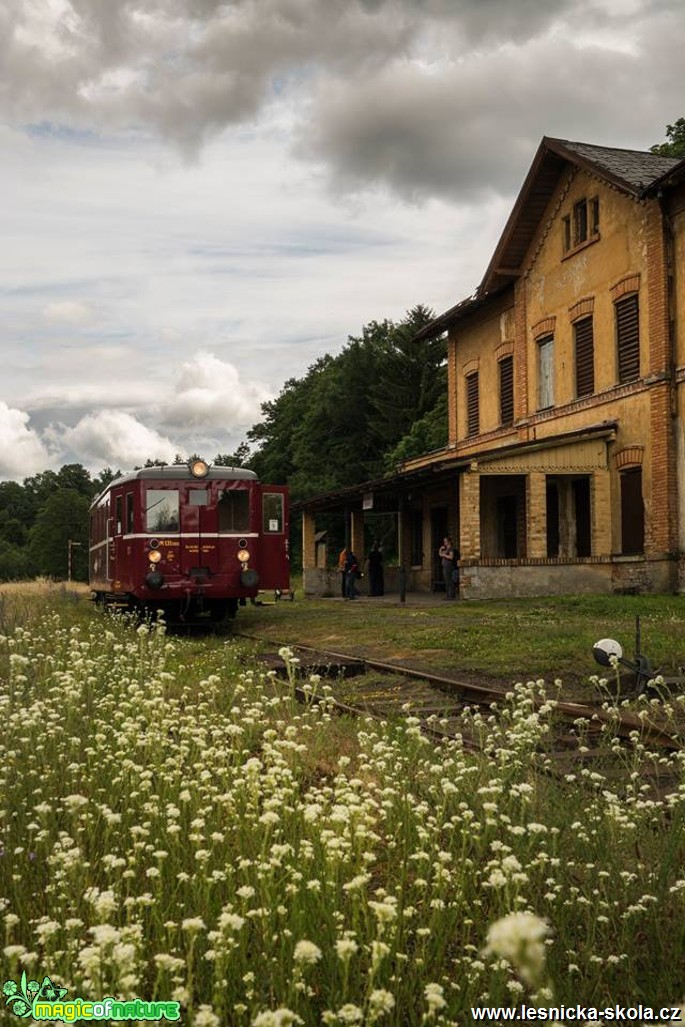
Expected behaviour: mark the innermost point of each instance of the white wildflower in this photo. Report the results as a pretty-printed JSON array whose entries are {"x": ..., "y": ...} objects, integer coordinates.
[
  {"x": 206, "y": 1017},
  {"x": 346, "y": 948},
  {"x": 306, "y": 952},
  {"x": 276, "y": 1018},
  {"x": 193, "y": 924},
  {"x": 434, "y": 997},
  {"x": 380, "y": 1002},
  {"x": 519, "y": 938}
]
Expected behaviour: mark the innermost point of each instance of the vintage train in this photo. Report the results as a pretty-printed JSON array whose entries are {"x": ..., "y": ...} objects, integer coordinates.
[{"x": 192, "y": 540}]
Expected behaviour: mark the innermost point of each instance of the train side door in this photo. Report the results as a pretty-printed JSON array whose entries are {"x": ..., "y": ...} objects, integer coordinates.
[
  {"x": 114, "y": 547},
  {"x": 274, "y": 542}
]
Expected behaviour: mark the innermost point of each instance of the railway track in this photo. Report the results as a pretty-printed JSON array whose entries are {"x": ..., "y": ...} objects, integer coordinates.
[{"x": 441, "y": 704}]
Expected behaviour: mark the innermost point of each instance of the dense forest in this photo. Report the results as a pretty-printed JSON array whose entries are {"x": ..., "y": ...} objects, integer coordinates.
[{"x": 350, "y": 418}]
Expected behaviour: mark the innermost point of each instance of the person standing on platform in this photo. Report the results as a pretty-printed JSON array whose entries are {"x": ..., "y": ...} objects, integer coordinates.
[
  {"x": 351, "y": 574},
  {"x": 446, "y": 554},
  {"x": 375, "y": 560},
  {"x": 342, "y": 560}
]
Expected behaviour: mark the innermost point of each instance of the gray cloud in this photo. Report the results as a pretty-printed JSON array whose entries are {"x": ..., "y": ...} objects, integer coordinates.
[
  {"x": 424, "y": 97},
  {"x": 471, "y": 129},
  {"x": 189, "y": 68}
]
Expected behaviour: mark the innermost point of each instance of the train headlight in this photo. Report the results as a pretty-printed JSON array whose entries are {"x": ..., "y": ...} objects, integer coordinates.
[
  {"x": 243, "y": 555},
  {"x": 154, "y": 556},
  {"x": 199, "y": 468}
]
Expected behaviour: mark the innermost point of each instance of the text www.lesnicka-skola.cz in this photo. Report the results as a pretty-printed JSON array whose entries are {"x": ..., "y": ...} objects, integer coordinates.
[{"x": 578, "y": 1014}]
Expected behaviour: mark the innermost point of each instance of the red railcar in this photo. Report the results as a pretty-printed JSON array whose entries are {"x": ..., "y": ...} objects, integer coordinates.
[{"x": 193, "y": 541}]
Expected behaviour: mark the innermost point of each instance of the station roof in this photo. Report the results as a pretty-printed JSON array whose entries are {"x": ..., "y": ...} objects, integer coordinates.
[{"x": 439, "y": 467}]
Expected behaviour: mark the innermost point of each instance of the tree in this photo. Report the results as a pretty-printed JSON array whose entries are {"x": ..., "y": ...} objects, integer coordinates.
[
  {"x": 76, "y": 477},
  {"x": 103, "y": 479},
  {"x": 335, "y": 426},
  {"x": 18, "y": 509},
  {"x": 426, "y": 435},
  {"x": 675, "y": 147},
  {"x": 276, "y": 434},
  {"x": 41, "y": 486},
  {"x": 411, "y": 380},
  {"x": 239, "y": 458},
  {"x": 335, "y": 444},
  {"x": 15, "y": 563},
  {"x": 63, "y": 518}
]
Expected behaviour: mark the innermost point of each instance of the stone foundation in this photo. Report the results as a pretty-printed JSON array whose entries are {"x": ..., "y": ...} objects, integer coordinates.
[{"x": 503, "y": 579}]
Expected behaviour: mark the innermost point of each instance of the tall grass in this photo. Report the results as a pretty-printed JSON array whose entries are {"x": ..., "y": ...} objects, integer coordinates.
[{"x": 175, "y": 826}]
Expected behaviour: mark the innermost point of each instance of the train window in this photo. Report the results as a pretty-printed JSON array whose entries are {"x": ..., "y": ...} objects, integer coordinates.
[
  {"x": 117, "y": 516},
  {"x": 234, "y": 510},
  {"x": 198, "y": 497},
  {"x": 272, "y": 512},
  {"x": 129, "y": 513},
  {"x": 161, "y": 510}
]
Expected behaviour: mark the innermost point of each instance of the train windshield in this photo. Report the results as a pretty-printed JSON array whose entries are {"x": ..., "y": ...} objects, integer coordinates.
[
  {"x": 161, "y": 510},
  {"x": 234, "y": 510}
]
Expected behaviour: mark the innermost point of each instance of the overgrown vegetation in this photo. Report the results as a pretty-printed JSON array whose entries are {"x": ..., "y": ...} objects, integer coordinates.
[
  {"x": 501, "y": 640},
  {"x": 175, "y": 826}
]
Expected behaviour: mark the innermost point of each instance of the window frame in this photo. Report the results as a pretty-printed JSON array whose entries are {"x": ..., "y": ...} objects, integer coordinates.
[
  {"x": 159, "y": 529},
  {"x": 266, "y": 529},
  {"x": 545, "y": 343},
  {"x": 581, "y": 226},
  {"x": 235, "y": 502},
  {"x": 632, "y": 500},
  {"x": 130, "y": 512}
]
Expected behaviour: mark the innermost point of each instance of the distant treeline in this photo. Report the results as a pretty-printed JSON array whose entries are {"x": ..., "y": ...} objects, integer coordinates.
[{"x": 352, "y": 417}]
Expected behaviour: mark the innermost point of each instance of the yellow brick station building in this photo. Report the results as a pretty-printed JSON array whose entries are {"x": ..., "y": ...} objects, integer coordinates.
[{"x": 565, "y": 465}]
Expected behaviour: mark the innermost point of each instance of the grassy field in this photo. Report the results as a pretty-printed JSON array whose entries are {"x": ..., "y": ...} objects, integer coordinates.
[
  {"x": 505, "y": 641},
  {"x": 175, "y": 827}
]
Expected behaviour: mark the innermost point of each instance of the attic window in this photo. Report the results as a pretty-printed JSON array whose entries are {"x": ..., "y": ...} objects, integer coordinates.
[{"x": 582, "y": 225}]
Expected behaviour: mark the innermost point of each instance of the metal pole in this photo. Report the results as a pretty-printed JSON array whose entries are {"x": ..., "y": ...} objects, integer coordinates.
[{"x": 403, "y": 583}]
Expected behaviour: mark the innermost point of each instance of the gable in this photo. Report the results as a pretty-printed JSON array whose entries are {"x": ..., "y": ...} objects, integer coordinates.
[
  {"x": 633, "y": 174},
  {"x": 629, "y": 172},
  {"x": 591, "y": 234}
]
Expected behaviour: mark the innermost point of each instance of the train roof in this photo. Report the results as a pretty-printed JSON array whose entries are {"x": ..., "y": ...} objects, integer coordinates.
[{"x": 178, "y": 472}]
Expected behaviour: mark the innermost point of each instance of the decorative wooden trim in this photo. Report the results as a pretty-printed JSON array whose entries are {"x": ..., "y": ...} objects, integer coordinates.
[
  {"x": 629, "y": 456},
  {"x": 505, "y": 349},
  {"x": 470, "y": 366},
  {"x": 544, "y": 327},
  {"x": 583, "y": 308},
  {"x": 629, "y": 283}
]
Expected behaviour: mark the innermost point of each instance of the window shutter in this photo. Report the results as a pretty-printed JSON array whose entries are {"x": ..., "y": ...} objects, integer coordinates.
[
  {"x": 628, "y": 338},
  {"x": 506, "y": 391},
  {"x": 585, "y": 357},
  {"x": 472, "y": 404}
]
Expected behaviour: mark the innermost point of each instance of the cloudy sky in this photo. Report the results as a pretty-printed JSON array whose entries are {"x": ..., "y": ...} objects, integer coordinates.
[{"x": 200, "y": 198}]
